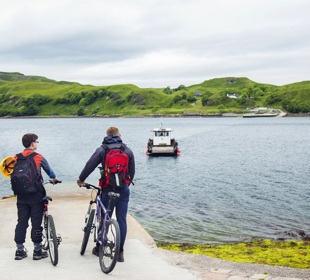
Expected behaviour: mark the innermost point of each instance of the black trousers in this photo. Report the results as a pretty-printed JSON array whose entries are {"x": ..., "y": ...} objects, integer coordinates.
[{"x": 34, "y": 212}]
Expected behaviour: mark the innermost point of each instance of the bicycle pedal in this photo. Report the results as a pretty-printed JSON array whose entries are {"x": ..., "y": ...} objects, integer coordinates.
[{"x": 59, "y": 239}]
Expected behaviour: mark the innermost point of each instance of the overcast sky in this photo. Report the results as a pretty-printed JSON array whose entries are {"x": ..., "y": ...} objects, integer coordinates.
[{"x": 156, "y": 43}]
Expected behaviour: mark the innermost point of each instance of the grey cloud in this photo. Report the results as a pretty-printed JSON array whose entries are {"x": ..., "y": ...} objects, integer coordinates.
[{"x": 156, "y": 42}]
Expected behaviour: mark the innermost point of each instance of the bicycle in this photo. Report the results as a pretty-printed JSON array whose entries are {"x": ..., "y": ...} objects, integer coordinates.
[
  {"x": 106, "y": 230},
  {"x": 51, "y": 240}
]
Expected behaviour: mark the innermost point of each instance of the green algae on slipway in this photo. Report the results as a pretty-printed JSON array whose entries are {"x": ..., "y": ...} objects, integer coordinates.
[{"x": 294, "y": 254}]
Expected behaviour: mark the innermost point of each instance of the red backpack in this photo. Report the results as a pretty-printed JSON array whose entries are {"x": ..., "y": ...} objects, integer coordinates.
[{"x": 115, "y": 169}]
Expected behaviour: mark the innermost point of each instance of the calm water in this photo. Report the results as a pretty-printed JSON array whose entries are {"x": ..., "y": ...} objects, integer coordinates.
[{"x": 235, "y": 179}]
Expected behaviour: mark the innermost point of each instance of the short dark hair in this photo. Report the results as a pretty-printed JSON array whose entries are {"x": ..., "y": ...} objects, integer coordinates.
[{"x": 28, "y": 139}]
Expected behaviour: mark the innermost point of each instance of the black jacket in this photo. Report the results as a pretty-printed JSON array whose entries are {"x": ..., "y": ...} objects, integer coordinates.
[{"x": 98, "y": 157}]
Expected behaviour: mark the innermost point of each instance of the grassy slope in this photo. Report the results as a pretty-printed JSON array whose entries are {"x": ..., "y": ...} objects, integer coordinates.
[{"x": 132, "y": 100}]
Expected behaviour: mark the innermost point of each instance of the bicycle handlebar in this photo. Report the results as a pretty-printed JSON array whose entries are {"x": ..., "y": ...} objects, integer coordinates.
[
  {"x": 90, "y": 186},
  {"x": 51, "y": 182},
  {"x": 47, "y": 198},
  {"x": 111, "y": 194}
]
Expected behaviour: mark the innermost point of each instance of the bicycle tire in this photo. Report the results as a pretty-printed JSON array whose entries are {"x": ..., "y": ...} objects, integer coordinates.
[
  {"x": 109, "y": 249},
  {"x": 52, "y": 240},
  {"x": 87, "y": 230},
  {"x": 44, "y": 243}
]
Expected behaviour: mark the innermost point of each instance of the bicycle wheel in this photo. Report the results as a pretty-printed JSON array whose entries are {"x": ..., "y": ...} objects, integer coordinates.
[
  {"x": 109, "y": 249},
  {"x": 87, "y": 229},
  {"x": 44, "y": 243},
  {"x": 52, "y": 240}
]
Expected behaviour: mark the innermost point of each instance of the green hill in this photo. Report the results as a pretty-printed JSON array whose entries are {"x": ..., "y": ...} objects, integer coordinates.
[{"x": 22, "y": 95}]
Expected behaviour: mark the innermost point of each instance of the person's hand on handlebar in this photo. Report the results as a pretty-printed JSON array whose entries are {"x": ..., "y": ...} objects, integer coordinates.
[
  {"x": 80, "y": 183},
  {"x": 55, "y": 181}
]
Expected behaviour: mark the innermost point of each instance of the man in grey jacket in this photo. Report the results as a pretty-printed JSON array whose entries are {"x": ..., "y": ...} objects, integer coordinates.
[{"x": 112, "y": 140}]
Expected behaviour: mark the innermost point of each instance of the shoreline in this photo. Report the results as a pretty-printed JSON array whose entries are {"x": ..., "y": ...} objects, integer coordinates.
[
  {"x": 298, "y": 235},
  {"x": 194, "y": 115}
]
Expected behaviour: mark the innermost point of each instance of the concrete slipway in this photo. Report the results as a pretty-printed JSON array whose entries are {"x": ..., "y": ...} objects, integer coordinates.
[{"x": 143, "y": 260}]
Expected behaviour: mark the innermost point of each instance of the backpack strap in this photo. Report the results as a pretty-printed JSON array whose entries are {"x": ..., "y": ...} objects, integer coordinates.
[
  {"x": 107, "y": 148},
  {"x": 32, "y": 154},
  {"x": 21, "y": 156}
]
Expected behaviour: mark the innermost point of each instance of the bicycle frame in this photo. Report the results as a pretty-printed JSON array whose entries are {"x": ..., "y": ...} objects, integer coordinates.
[
  {"x": 45, "y": 210},
  {"x": 45, "y": 214},
  {"x": 102, "y": 216},
  {"x": 106, "y": 230}
]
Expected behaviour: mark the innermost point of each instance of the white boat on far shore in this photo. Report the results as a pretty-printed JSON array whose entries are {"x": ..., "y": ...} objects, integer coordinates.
[
  {"x": 256, "y": 115},
  {"x": 264, "y": 113}
]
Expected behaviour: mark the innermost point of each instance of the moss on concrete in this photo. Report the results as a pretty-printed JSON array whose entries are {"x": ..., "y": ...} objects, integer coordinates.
[{"x": 295, "y": 254}]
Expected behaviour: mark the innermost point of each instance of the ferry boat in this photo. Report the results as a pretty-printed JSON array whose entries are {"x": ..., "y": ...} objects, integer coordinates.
[{"x": 162, "y": 144}]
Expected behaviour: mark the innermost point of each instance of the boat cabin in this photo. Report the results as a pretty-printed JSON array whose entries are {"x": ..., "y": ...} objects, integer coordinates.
[{"x": 161, "y": 136}]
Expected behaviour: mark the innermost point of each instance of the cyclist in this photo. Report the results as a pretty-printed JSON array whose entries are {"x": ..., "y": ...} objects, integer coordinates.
[
  {"x": 30, "y": 206},
  {"x": 112, "y": 140}
]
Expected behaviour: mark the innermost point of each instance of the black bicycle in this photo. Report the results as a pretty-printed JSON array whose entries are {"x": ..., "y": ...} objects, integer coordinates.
[
  {"x": 51, "y": 240},
  {"x": 106, "y": 230}
]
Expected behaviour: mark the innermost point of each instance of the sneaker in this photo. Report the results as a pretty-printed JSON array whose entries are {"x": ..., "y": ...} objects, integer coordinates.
[
  {"x": 20, "y": 254},
  {"x": 96, "y": 251},
  {"x": 39, "y": 254},
  {"x": 121, "y": 257}
]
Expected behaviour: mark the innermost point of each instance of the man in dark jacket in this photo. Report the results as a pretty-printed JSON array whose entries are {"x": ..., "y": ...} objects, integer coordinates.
[
  {"x": 30, "y": 206},
  {"x": 112, "y": 140}
]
